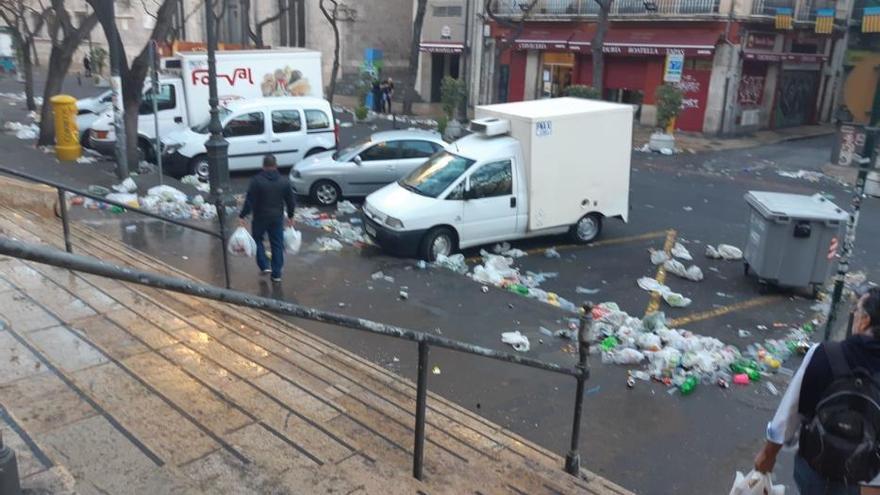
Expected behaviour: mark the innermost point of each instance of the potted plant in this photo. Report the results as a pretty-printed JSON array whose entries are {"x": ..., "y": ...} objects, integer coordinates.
[
  {"x": 582, "y": 91},
  {"x": 668, "y": 98},
  {"x": 452, "y": 93}
]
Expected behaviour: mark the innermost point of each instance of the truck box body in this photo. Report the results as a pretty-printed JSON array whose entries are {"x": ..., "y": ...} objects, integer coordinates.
[
  {"x": 246, "y": 74},
  {"x": 577, "y": 157}
]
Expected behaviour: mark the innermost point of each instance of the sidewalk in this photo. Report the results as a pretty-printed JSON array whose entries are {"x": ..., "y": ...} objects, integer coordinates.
[
  {"x": 135, "y": 390},
  {"x": 691, "y": 142}
]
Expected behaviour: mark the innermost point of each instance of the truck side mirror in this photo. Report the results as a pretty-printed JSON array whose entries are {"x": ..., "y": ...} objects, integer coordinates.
[
  {"x": 468, "y": 192},
  {"x": 357, "y": 160}
]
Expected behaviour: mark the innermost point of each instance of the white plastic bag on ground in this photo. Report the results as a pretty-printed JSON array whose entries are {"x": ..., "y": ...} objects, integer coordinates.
[
  {"x": 345, "y": 208},
  {"x": 519, "y": 341},
  {"x": 127, "y": 186},
  {"x": 725, "y": 252},
  {"x": 681, "y": 252},
  {"x": 623, "y": 356},
  {"x": 649, "y": 342},
  {"x": 167, "y": 193},
  {"x": 676, "y": 300},
  {"x": 651, "y": 285},
  {"x": 124, "y": 198},
  {"x": 242, "y": 244},
  {"x": 292, "y": 240},
  {"x": 755, "y": 483},
  {"x": 328, "y": 244},
  {"x": 675, "y": 267},
  {"x": 658, "y": 257}
]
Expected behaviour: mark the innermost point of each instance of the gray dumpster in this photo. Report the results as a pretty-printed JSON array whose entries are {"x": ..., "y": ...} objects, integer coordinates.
[{"x": 790, "y": 236}]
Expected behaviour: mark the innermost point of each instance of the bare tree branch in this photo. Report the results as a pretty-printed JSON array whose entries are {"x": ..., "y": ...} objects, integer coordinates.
[
  {"x": 146, "y": 11},
  {"x": 332, "y": 17}
]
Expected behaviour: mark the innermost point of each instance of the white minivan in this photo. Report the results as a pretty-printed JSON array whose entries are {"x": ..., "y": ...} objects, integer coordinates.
[
  {"x": 530, "y": 168},
  {"x": 289, "y": 127}
]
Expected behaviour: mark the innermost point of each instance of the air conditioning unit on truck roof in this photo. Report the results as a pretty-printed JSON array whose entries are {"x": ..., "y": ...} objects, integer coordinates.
[{"x": 490, "y": 127}]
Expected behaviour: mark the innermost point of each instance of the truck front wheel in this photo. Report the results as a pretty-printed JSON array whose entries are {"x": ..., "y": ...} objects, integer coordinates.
[
  {"x": 587, "y": 229},
  {"x": 439, "y": 241}
]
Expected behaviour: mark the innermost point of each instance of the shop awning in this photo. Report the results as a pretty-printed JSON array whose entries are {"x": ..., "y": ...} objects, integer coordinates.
[
  {"x": 441, "y": 47},
  {"x": 798, "y": 58},
  {"x": 650, "y": 41},
  {"x": 548, "y": 38}
]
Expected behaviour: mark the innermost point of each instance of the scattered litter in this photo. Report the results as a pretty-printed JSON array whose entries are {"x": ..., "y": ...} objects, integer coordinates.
[
  {"x": 346, "y": 208},
  {"x": 345, "y": 231},
  {"x": 593, "y": 390},
  {"x": 722, "y": 294},
  {"x": 145, "y": 168},
  {"x": 666, "y": 151},
  {"x": 658, "y": 257},
  {"x": 497, "y": 270},
  {"x": 128, "y": 186},
  {"x": 584, "y": 290},
  {"x": 771, "y": 388},
  {"x": 545, "y": 331},
  {"x": 185, "y": 258},
  {"x": 761, "y": 327},
  {"x": 485, "y": 289},
  {"x": 22, "y": 131},
  {"x": 808, "y": 175},
  {"x": 725, "y": 252},
  {"x": 455, "y": 262},
  {"x": 128, "y": 199},
  {"x": 640, "y": 375},
  {"x": 435, "y": 370},
  {"x": 676, "y": 300},
  {"x": 404, "y": 295},
  {"x": 741, "y": 379},
  {"x": 551, "y": 253},
  {"x": 167, "y": 193},
  {"x": 131, "y": 228},
  {"x": 681, "y": 252},
  {"x": 744, "y": 333},
  {"x": 687, "y": 208},
  {"x": 504, "y": 249},
  {"x": 651, "y": 285},
  {"x": 519, "y": 341},
  {"x": 193, "y": 180},
  {"x": 328, "y": 244},
  {"x": 623, "y": 356},
  {"x": 86, "y": 159},
  {"x": 677, "y": 268}
]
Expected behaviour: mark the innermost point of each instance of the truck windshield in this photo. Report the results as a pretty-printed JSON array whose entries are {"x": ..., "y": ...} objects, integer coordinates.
[
  {"x": 203, "y": 128},
  {"x": 437, "y": 174}
]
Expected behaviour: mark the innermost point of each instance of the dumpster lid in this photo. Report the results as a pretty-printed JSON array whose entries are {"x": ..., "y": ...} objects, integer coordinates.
[{"x": 797, "y": 206}]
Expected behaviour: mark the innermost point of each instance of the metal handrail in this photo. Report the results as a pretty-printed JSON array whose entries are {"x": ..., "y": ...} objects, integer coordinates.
[
  {"x": 62, "y": 206},
  {"x": 581, "y": 372}
]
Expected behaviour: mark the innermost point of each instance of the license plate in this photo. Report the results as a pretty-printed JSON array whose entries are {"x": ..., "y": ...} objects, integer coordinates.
[{"x": 370, "y": 230}]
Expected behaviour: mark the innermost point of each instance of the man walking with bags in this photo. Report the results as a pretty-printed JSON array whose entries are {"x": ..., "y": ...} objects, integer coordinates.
[
  {"x": 268, "y": 195},
  {"x": 831, "y": 411}
]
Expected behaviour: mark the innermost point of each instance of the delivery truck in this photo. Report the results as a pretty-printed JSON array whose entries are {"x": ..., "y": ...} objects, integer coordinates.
[
  {"x": 527, "y": 169},
  {"x": 182, "y": 99}
]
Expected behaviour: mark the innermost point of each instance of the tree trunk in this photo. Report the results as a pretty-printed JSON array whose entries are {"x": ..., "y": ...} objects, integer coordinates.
[
  {"x": 130, "y": 107},
  {"x": 412, "y": 70},
  {"x": 28, "y": 77},
  {"x": 334, "y": 73},
  {"x": 59, "y": 62},
  {"x": 596, "y": 45}
]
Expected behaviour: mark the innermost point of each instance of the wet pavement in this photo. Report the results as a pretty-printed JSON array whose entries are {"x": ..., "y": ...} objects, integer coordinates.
[{"x": 644, "y": 439}]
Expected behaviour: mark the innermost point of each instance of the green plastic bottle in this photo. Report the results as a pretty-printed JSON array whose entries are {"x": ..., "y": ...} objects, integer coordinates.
[
  {"x": 519, "y": 289},
  {"x": 608, "y": 343},
  {"x": 687, "y": 387},
  {"x": 117, "y": 209},
  {"x": 754, "y": 374}
]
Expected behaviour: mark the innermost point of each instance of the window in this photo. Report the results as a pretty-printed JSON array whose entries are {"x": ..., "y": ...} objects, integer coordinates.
[
  {"x": 447, "y": 11},
  {"x": 165, "y": 100},
  {"x": 249, "y": 124},
  {"x": 381, "y": 151},
  {"x": 316, "y": 119},
  {"x": 436, "y": 174},
  {"x": 492, "y": 179},
  {"x": 416, "y": 149},
  {"x": 286, "y": 121}
]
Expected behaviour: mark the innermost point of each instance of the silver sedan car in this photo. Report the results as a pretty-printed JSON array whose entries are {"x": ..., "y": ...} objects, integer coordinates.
[{"x": 363, "y": 167}]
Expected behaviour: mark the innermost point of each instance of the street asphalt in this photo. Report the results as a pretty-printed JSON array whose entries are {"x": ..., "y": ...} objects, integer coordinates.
[{"x": 642, "y": 438}]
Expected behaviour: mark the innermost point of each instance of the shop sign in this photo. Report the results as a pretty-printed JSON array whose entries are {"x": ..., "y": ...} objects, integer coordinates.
[
  {"x": 674, "y": 67},
  {"x": 761, "y": 41}
]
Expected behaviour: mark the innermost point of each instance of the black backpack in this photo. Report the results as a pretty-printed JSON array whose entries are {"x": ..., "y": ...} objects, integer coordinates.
[{"x": 842, "y": 440}]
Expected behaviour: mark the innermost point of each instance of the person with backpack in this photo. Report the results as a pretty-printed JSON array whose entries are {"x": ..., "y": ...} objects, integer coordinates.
[{"x": 831, "y": 412}]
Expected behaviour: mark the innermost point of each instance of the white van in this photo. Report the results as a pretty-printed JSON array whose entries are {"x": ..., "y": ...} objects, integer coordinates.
[
  {"x": 182, "y": 99},
  {"x": 290, "y": 128},
  {"x": 529, "y": 169}
]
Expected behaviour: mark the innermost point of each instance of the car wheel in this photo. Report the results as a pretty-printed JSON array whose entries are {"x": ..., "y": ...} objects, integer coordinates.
[
  {"x": 587, "y": 229},
  {"x": 200, "y": 167},
  {"x": 325, "y": 193},
  {"x": 314, "y": 151},
  {"x": 436, "y": 242}
]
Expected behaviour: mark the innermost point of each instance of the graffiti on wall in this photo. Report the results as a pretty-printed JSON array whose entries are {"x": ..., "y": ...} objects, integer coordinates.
[
  {"x": 751, "y": 90},
  {"x": 690, "y": 89},
  {"x": 796, "y": 97}
]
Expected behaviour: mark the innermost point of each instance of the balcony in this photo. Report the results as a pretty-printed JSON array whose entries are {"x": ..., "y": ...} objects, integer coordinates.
[
  {"x": 768, "y": 7},
  {"x": 807, "y": 9},
  {"x": 619, "y": 8}
]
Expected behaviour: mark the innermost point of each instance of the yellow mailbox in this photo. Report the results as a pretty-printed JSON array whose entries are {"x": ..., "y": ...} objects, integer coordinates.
[{"x": 67, "y": 145}]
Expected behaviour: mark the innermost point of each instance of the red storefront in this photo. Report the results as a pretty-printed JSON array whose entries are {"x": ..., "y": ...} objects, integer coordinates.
[{"x": 634, "y": 55}]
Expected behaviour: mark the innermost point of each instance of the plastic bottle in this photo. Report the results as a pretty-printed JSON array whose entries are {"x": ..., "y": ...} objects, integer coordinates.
[
  {"x": 690, "y": 383},
  {"x": 608, "y": 343}
]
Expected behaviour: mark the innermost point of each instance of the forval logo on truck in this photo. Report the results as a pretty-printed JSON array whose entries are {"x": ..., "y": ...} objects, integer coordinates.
[{"x": 241, "y": 73}]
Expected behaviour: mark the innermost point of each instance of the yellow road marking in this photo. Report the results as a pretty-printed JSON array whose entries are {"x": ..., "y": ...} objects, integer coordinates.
[
  {"x": 605, "y": 242},
  {"x": 714, "y": 313},
  {"x": 654, "y": 303}
]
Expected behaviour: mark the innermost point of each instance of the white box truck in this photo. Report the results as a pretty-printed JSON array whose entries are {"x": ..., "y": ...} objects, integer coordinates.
[
  {"x": 528, "y": 169},
  {"x": 241, "y": 74}
]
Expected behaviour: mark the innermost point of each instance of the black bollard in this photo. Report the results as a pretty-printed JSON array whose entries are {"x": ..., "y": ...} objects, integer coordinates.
[{"x": 9, "y": 484}]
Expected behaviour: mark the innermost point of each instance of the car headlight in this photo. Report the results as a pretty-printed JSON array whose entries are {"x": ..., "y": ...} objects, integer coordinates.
[
  {"x": 295, "y": 174},
  {"x": 394, "y": 223}
]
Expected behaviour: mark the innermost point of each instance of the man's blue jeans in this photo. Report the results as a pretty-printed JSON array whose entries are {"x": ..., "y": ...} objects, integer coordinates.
[
  {"x": 274, "y": 227},
  {"x": 809, "y": 482}
]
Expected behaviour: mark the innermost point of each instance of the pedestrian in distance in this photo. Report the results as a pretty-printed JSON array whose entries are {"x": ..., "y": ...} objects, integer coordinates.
[
  {"x": 269, "y": 195},
  {"x": 87, "y": 65},
  {"x": 831, "y": 411},
  {"x": 387, "y": 93},
  {"x": 377, "y": 96}
]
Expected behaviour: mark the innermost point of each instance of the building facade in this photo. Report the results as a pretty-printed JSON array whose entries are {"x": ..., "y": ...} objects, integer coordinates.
[
  {"x": 861, "y": 85},
  {"x": 742, "y": 65}
]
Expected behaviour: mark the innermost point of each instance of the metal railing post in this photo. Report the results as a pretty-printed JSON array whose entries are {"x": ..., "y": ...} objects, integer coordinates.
[
  {"x": 421, "y": 400},
  {"x": 221, "y": 217},
  {"x": 573, "y": 458},
  {"x": 62, "y": 209},
  {"x": 9, "y": 478}
]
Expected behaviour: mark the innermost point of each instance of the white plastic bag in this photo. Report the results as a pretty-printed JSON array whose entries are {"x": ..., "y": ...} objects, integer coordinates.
[
  {"x": 755, "y": 483},
  {"x": 292, "y": 240},
  {"x": 519, "y": 341},
  {"x": 681, "y": 252},
  {"x": 242, "y": 244},
  {"x": 126, "y": 186}
]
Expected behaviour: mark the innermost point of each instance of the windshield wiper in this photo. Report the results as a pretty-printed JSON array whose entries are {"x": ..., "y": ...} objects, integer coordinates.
[{"x": 412, "y": 188}]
